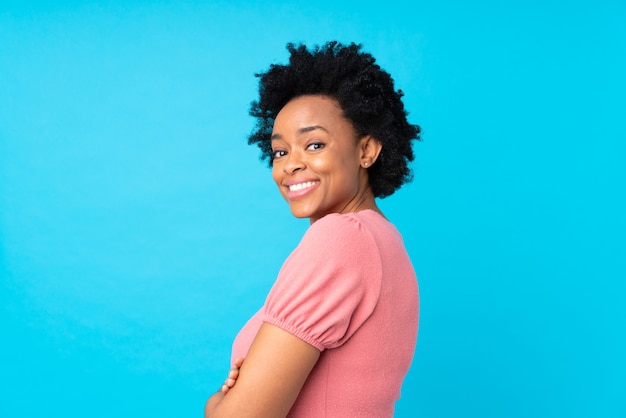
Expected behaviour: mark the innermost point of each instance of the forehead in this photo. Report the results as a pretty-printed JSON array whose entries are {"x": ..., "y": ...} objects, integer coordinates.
[
  {"x": 310, "y": 107},
  {"x": 306, "y": 111}
]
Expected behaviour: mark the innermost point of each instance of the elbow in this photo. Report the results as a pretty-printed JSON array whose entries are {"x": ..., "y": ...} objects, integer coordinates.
[{"x": 210, "y": 407}]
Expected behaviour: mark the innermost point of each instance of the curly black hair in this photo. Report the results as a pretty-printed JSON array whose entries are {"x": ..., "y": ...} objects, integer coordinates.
[{"x": 365, "y": 92}]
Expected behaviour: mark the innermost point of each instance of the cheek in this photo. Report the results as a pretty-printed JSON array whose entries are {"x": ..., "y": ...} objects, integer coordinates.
[{"x": 321, "y": 166}]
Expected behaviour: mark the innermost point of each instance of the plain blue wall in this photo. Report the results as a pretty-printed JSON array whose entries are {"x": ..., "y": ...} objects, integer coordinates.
[{"x": 138, "y": 231}]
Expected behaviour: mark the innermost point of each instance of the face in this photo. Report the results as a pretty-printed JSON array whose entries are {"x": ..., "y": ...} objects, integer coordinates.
[{"x": 318, "y": 163}]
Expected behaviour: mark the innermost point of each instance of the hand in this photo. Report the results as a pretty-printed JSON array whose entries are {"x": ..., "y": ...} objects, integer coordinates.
[
  {"x": 230, "y": 381},
  {"x": 233, "y": 374}
]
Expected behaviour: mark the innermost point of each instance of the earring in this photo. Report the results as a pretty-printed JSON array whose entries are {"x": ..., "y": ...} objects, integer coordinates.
[{"x": 365, "y": 164}]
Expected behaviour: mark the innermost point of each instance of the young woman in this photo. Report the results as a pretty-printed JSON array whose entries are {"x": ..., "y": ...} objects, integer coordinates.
[{"x": 337, "y": 332}]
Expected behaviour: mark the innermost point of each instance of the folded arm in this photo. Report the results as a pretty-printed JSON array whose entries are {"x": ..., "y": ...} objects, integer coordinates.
[{"x": 269, "y": 380}]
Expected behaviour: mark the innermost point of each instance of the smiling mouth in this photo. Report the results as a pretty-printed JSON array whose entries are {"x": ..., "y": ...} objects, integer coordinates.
[{"x": 302, "y": 186}]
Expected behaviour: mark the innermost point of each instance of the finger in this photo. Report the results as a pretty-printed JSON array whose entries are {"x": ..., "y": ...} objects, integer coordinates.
[
  {"x": 233, "y": 374},
  {"x": 238, "y": 362}
]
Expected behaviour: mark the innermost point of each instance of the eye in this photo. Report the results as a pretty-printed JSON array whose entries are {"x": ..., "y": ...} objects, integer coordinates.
[
  {"x": 315, "y": 146},
  {"x": 277, "y": 153}
]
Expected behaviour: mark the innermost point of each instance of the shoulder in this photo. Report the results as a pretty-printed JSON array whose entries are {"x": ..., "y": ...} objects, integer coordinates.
[
  {"x": 330, "y": 240},
  {"x": 366, "y": 227},
  {"x": 336, "y": 221},
  {"x": 330, "y": 284},
  {"x": 346, "y": 227}
]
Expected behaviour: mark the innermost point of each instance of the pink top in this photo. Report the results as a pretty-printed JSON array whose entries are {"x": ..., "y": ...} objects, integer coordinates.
[{"x": 348, "y": 289}]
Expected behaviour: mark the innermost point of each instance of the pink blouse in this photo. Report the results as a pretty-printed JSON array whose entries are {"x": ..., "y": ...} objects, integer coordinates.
[{"x": 348, "y": 289}]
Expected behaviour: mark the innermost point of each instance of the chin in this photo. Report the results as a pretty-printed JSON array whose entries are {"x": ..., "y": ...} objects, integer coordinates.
[{"x": 300, "y": 212}]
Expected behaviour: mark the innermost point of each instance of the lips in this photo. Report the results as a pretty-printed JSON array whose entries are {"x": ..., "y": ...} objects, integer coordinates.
[{"x": 300, "y": 188}]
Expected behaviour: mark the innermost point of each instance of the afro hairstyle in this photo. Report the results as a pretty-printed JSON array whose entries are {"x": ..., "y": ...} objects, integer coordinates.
[{"x": 365, "y": 93}]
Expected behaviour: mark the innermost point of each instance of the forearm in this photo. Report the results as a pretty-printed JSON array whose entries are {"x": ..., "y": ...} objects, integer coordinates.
[{"x": 270, "y": 379}]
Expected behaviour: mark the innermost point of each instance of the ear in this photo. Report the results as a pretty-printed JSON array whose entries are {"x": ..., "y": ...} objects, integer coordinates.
[{"x": 370, "y": 148}]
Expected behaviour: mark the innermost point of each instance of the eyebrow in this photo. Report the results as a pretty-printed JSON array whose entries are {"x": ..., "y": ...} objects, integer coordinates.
[{"x": 302, "y": 131}]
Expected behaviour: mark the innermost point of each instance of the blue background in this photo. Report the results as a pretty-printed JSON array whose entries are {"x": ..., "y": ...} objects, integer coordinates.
[{"x": 138, "y": 230}]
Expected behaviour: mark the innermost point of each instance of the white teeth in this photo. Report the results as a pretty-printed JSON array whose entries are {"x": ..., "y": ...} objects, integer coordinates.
[{"x": 300, "y": 186}]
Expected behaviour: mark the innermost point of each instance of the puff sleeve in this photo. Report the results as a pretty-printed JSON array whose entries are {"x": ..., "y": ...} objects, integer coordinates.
[{"x": 329, "y": 285}]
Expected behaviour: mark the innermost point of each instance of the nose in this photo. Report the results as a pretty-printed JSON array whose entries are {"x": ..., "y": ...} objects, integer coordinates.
[{"x": 293, "y": 162}]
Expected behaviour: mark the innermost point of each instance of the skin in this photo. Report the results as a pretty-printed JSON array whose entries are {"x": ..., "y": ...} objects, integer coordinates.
[
  {"x": 314, "y": 145},
  {"x": 269, "y": 380},
  {"x": 316, "y": 148},
  {"x": 233, "y": 374}
]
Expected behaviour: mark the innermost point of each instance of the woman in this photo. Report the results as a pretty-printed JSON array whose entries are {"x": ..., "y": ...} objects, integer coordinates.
[{"x": 337, "y": 332}]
